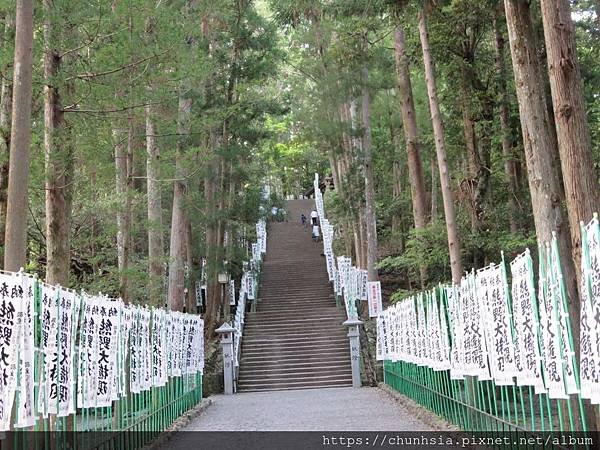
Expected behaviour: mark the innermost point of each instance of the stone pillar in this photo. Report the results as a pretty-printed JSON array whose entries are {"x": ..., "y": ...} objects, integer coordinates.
[
  {"x": 354, "y": 336},
  {"x": 225, "y": 332}
]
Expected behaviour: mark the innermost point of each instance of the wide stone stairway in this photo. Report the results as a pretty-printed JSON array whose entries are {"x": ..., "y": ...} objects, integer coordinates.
[{"x": 296, "y": 339}]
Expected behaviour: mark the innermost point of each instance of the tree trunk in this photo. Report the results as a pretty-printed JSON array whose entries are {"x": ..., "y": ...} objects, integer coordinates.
[
  {"x": 177, "y": 248},
  {"x": 409, "y": 121},
  {"x": 5, "y": 123},
  {"x": 440, "y": 146},
  {"x": 20, "y": 140},
  {"x": 370, "y": 220},
  {"x": 540, "y": 146},
  {"x": 434, "y": 189},
  {"x": 505, "y": 128},
  {"x": 121, "y": 156},
  {"x": 411, "y": 134},
  {"x": 190, "y": 300},
  {"x": 59, "y": 160},
  {"x": 156, "y": 253},
  {"x": 574, "y": 142}
]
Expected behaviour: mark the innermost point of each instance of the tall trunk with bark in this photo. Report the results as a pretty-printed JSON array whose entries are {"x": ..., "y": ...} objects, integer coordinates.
[
  {"x": 59, "y": 160},
  {"x": 510, "y": 171},
  {"x": 409, "y": 121},
  {"x": 370, "y": 220},
  {"x": 20, "y": 140},
  {"x": 156, "y": 253},
  {"x": 5, "y": 107},
  {"x": 539, "y": 141},
  {"x": 177, "y": 248},
  {"x": 5, "y": 122},
  {"x": 434, "y": 191},
  {"x": 413, "y": 150},
  {"x": 572, "y": 130},
  {"x": 121, "y": 138},
  {"x": 440, "y": 146},
  {"x": 477, "y": 130},
  {"x": 212, "y": 305}
]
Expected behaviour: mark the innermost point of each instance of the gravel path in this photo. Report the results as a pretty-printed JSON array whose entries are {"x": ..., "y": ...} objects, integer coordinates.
[{"x": 340, "y": 409}]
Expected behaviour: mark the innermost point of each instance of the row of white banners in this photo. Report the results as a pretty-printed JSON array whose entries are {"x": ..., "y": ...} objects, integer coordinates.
[
  {"x": 506, "y": 333},
  {"x": 249, "y": 286},
  {"x": 348, "y": 281},
  {"x": 93, "y": 349}
]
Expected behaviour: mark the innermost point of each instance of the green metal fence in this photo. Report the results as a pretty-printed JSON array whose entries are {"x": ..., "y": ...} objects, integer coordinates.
[
  {"x": 132, "y": 421},
  {"x": 476, "y": 405},
  {"x": 482, "y": 405}
]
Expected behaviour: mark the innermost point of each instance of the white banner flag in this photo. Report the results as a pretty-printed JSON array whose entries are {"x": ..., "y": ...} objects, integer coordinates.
[
  {"x": 374, "y": 296},
  {"x": 26, "y": 405},
  {"x": 527, "y": 351},
  {"x": 590, "y": 312},
  {"x": 11, "y": 302}
]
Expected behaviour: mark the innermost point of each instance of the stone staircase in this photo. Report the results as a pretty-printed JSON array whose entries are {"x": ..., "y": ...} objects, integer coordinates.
[{"x": 296, "y": 339}]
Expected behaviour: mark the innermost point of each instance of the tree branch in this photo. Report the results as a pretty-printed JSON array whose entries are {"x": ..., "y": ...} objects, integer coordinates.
[{"x": 118, "y": 69}]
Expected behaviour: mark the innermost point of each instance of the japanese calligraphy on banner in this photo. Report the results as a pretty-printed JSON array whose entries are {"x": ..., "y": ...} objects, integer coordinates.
[
  {"x": 492, "y": 294},
  {"x": 382, "y": 350},
  {"x": 134, "y": 351},
  {"x": 231, "y": 292},
  {"x": 86, "y": 386},
  {"x": 11, "y": 301},
  {"x": 250, "y": 285},
  {"x": 457, "y": 354},
  {"x": 374, "y": 297},
  {"x": 26, "y": 400},
  {"x": 125, "y": 332},
  {"x": 145, "y": 349},
  {"x": 590, "y": 312},
  {"x": 108, "y": 338},
  {"x": 524, "y": 306},
  {"x": 174, "y": 356},
  {"x": 476, "y": 361},
  {"x": 159, "y": 354},
  {"x": 557, "y": 351},
  {"x": 98, "y": 376},
  {"x": 363, "y": 290},
  {"x": 59, "y": 315}
]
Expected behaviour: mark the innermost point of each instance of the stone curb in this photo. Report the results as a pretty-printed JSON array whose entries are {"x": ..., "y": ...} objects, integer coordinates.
[
  {"x": 420, "y": 413},
  {"x": 179, "y": 424}
]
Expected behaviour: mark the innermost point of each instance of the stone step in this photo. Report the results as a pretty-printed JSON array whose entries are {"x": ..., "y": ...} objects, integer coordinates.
[
  {"x": 294, "y": 347},
  {"x": 293, "y": 319},
  {"x": 293, "y": 322},
  {"x": 297, "y": 377},
  {"x": 295, "y": 293},
  {"x": 322, "y": 302},
  {"x": 308, "y": 349},
  {"x": 291, "y": 385},
  {"x": 312, "y": 356},
  {"x": 283, "y": 306},
  {"x": 293, "y": 333},
  {"x": 335, "y": 360},
  {"x": 324, "y": 311},
  {"x": 272, "y": 372},
  {"x": 283, "y": 340}
]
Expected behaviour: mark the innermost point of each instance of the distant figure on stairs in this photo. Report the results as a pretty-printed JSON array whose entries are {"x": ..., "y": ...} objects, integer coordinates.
[
  {"x": 303, "y": 220},
  {"x": 315, "y": 233},
  {"x": 314, "y": 217}
]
